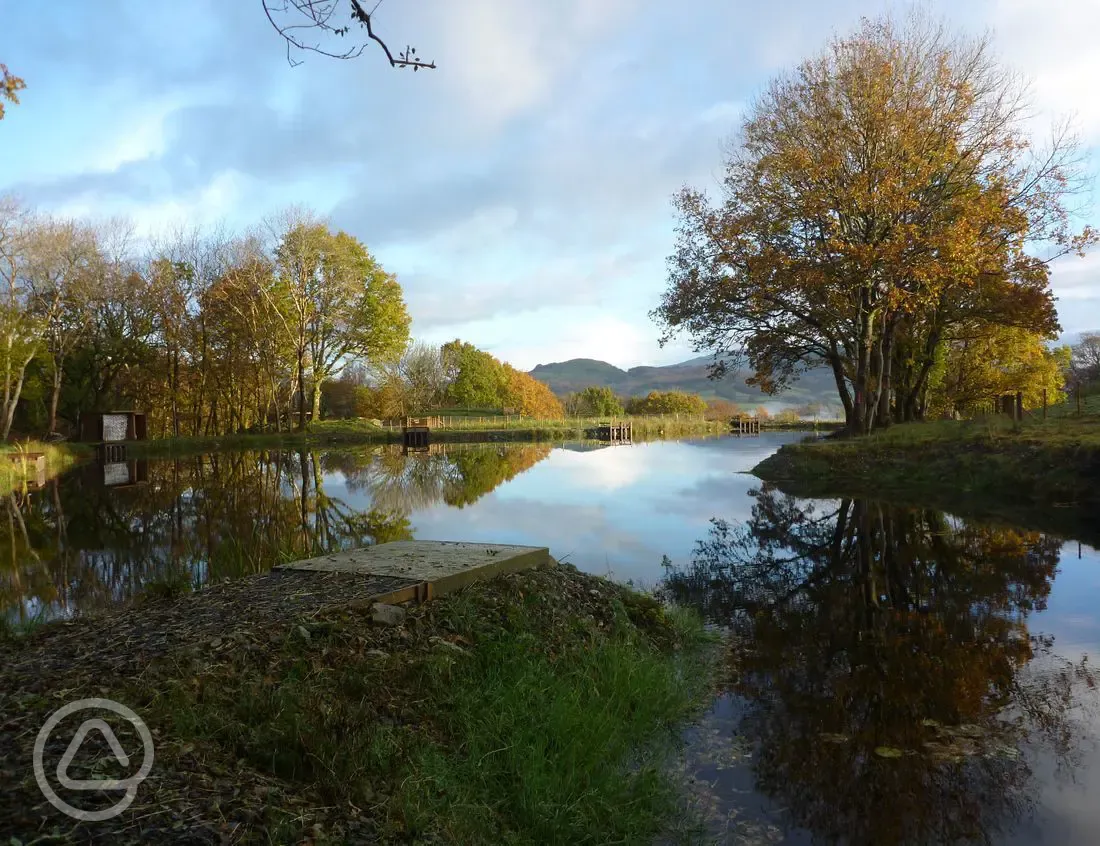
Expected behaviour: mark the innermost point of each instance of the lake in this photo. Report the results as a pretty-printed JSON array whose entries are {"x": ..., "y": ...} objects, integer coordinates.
[{"x": 902, "y": 675}]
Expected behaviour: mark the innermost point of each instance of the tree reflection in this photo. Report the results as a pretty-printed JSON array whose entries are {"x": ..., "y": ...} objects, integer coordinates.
[
  {"x": 894, "y": 690},
  {"x": 78, "y": 544}
]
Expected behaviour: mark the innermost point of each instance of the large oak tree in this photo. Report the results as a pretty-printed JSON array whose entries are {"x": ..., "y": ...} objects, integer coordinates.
[{"x": 883, "y": 196}]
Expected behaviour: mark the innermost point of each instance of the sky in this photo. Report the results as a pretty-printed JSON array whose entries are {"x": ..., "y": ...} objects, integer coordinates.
[{"x": 521, "y": 191}]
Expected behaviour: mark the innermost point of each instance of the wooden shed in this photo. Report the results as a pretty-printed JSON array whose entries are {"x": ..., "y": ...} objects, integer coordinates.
[{"x": 113, "y": 426}]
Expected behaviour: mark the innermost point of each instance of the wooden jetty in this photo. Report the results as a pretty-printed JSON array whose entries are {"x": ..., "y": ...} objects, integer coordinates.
[
  {"x": 28, "y": 461},
  {"x": 418, "y": 570},
  {"x": 621, "y": 432},
  {"x": 30, "y": 469},
  {"x": 416, "y": 433},
  {"x": 745, "y": 425},
  {"x": 110, "y": 453}
]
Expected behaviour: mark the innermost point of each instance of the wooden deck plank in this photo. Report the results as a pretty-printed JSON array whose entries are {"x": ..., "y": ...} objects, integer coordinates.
[{"x": 441, "y": 566}]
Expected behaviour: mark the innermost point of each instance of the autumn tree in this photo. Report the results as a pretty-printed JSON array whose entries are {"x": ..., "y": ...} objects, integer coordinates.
[
  {"x": 883, "y": 647},
  {"x": 883, "y": 195},
  {"x": 10, "y": 86},
  {"x": 722, "y": 409},
  {"x": 528, "y": 396},
  {"x": 1002, "y": 360}
]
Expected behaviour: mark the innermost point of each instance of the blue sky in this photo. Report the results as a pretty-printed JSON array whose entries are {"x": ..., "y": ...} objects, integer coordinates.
[{"x": 520, "y": 192}]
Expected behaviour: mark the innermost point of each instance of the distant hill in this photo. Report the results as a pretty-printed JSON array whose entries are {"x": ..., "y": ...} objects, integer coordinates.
[{"x": 565, "y": 377}]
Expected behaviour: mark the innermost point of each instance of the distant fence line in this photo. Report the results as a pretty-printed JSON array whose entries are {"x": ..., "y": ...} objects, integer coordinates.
[{"x": 517, "y": 420}]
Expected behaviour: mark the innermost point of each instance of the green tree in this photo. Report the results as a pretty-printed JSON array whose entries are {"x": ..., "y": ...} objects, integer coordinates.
[
  {"x": 475, "y": 379},
  {"x": 671, "y": 402},
  {"x": 596, "y": 400},
  {"x": 358, "y": 312},
  {"x": 341, "y": 304}
]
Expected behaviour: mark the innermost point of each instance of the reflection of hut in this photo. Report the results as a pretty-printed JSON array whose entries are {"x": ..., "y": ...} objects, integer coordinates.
[
  {"x": 113, "y": 426},
  {"x": 121, "y": 474}
]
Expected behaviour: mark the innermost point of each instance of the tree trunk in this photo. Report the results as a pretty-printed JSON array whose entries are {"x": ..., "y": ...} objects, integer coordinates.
[
  {"x": 301, "y": 389},
  {"x": 55, "y": 395},
  {"x": 886, "y": 363},
  {"x": 316, "y": 400},
  {"x": 842, "y": 387},
  {"x": 861, "y": 419}
]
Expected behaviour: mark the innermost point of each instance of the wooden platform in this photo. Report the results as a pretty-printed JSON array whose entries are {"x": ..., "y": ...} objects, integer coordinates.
[
  {"x": 612, "y": 431},
  {"x": 429, "y": 568}
]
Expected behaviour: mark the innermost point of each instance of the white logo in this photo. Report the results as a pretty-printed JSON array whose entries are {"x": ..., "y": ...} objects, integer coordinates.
[{"x": 130, "y": 785}]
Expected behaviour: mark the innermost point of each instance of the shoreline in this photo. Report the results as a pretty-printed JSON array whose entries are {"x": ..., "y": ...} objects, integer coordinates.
[
  {"x": 66, "y": 454},
  {"x": 1043, "y": 475},
  {"x": 283, "y": 711}
]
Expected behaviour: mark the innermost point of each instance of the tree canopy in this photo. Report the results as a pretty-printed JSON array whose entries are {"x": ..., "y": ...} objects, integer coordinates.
[
  {"x": 208, "y": 333},
  {"x": 667, "y": 402},
  {"x": 885, "y": 199},
  {"x": 595, "y": 401}
]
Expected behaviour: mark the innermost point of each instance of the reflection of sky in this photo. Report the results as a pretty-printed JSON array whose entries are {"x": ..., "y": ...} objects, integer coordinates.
[
  {"x": 1067, "y": 811},
  {"x": 619, "y": 508},
  {"x": 622, "y": 508}
]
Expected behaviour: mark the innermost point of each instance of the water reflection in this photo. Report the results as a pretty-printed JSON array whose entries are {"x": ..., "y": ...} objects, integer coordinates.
[
  {"x": 892, "y": 690},
  {"x": 88, "y": 539}
]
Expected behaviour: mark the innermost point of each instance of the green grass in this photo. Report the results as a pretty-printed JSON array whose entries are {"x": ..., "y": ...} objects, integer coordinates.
[
  {"x": 667, "y": 425},
  {"x": 1038, "y": 472},
  {"x": 538, "y": 708},
  {"x": 59, "y": 458},
  {"x": 459, "y": 428},
  {"x": 316, "y": 434}
]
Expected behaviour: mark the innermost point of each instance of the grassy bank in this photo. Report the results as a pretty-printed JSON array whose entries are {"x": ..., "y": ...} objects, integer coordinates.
[
  {"x": 323, "y": 433},
  {"x": 17, "y": 471},
  {"x": 1043, "y": 474},
  {"x": 458, "y": 430},
  {"x": 534, "y": 708}
]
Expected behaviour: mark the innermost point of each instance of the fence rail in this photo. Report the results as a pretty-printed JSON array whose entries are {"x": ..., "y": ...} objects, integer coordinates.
[{"x": 516, "y": 421}]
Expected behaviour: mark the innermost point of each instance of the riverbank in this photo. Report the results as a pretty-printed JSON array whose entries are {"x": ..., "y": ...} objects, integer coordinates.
[
  {"x": 361, "y": 432},
  {"x": 532, "y": 708},
  {"x": 18, "y": 471},
  {"x": 1039, "y": 474}
]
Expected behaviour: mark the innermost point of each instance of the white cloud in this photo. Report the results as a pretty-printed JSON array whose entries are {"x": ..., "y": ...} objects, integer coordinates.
[
  {"x": 603, "y": 470},
  {"x": 1053, "y": 43},
  {"x": 504, "y": 58}
]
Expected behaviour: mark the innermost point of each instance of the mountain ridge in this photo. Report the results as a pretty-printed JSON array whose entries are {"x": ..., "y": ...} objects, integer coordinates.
[{"x": 565, "y": 377}]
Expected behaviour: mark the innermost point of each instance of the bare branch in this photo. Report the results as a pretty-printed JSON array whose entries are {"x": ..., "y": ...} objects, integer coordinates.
[{"x": 293, "y": 19}]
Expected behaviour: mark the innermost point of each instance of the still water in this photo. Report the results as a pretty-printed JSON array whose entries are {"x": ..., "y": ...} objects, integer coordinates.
[{"x": 901, "y": 675}]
